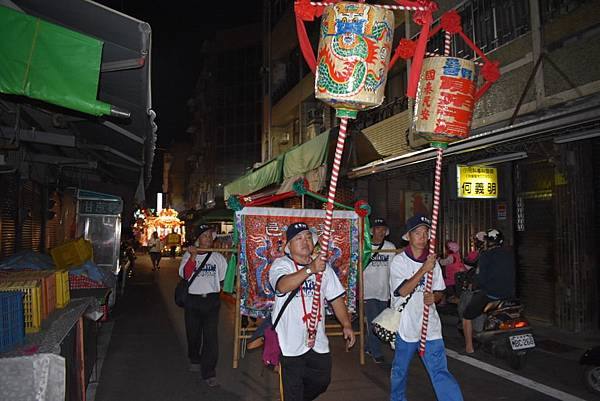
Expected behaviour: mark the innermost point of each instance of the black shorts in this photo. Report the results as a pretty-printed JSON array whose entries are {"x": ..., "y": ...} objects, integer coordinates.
[{"x": 477, "y": 305}]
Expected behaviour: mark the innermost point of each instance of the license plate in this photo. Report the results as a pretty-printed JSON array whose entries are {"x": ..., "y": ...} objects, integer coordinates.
[{"x": 522, "y": 341}]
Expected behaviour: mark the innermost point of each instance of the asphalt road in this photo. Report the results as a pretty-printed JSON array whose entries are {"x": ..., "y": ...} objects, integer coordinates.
[{"x": 146, "y": 360}]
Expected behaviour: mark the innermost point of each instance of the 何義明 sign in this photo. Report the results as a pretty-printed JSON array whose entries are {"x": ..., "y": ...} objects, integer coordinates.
[{"x": 477, "y": 182}]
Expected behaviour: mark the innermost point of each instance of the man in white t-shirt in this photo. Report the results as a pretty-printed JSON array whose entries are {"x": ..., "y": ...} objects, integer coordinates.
[
  {"x": 202, "y": 304},
  {"x": 306, "y": 372},
  {"x": 377, "y": 284},
  {"x": 408, "y": 273}
]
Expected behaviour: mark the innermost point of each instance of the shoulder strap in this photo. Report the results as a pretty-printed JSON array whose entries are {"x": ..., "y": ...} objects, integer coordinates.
[
  {"x": 199, "y": 269},
  {"x": 407, "y": 299},
  {"x": 287, "y": 302},
  {"x": 373, "y": 256}
]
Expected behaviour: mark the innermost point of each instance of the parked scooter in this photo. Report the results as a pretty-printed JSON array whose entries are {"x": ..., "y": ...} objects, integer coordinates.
[
  {"x": 501, "y": 329},
  {"x": 591, "y": 375}
]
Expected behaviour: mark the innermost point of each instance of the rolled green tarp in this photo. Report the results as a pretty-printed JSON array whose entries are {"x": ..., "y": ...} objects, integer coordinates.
[{"x": 51, "y": 63}]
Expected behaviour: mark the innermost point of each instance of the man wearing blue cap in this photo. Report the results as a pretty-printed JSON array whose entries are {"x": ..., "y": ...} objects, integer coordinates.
[
  {"x": 202, "y": 305},
  {"x": 377, "y": 284},
  {"x": 306, "y": 372},
  {"x": 408, "y": 273}
]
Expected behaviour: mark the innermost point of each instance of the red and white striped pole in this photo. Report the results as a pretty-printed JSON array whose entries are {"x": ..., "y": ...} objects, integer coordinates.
[
  {"x": 335, "y": 170},
  {"x": 437, "y": 185},
  {"x": 447, "y": 43}
]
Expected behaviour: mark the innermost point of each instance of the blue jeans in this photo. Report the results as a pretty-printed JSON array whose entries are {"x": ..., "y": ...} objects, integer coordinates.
[
  {"x": 373, "y": 307},
  {"x": 445, "y": 385}
]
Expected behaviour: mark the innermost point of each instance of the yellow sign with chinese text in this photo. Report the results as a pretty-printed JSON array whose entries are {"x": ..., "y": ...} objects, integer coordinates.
[{"x": 477, "y": 182}]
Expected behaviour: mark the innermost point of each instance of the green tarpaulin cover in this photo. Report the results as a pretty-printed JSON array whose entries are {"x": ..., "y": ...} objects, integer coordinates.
[
  {"x": 266, "y": 175},
  {"x": 305, "y": 157},
  {"x": 47, "y": 62},
  {"x": 295, "y": 162}
]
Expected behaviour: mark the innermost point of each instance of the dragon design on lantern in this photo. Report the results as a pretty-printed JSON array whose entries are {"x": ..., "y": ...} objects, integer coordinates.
[{"x": 357, "y": 53}]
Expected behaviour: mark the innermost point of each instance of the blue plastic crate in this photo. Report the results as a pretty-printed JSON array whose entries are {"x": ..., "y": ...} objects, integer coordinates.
[{"x": 12, "y": 320}]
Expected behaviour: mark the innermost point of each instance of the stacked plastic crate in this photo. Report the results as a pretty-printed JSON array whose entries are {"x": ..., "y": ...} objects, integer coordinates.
[
  {"x": 12, "y": 320},
  {"x": 47, "y": 280},
  {"x": 32, "y": 302}
]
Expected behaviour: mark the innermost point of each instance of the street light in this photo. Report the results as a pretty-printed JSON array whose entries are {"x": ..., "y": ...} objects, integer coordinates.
[{"x": 499, "y": 159}]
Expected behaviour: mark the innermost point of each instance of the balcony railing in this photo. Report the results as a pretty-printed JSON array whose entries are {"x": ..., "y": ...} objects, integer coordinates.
[{"x": 367, "y": 118}]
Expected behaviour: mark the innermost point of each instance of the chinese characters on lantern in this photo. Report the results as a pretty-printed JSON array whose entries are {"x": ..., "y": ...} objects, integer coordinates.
[{"x": 445, "y": 99}]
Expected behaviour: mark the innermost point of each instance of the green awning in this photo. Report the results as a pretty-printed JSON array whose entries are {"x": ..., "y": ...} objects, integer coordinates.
[
  {"x": 306, "y": 157},
  {"x": 47, "y": 62},
  {"x": 265, "y": 175},
  {"x": 295, "y": 162},
  {"x": 214, "y": 216}
]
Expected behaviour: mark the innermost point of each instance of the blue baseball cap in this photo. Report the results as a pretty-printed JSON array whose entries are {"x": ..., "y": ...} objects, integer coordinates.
[{"x": 415, "y": 222}]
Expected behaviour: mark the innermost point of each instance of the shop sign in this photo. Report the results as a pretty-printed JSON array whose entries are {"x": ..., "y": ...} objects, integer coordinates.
[
  {"x": 501, "y": 210},
  {"x": 477, "y": 182},
  {"x": 97, "y": 206}
]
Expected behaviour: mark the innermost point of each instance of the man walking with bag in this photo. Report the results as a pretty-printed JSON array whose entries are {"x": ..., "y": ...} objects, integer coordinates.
[
  {"x": 408, "y": 273},
  {"x": 377, "y": 284},
  {"x": 205, "y": 272},
  {"x": 306, "y": 372}
]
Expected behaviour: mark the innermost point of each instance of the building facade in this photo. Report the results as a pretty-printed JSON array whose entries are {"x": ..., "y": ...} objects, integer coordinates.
[
  {"x": 538, "y": 126},
  {"x": 226, "y": 109}
]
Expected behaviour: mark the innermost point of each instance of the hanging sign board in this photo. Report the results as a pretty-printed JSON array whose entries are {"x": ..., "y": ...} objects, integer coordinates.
[{"x": 477, "y": 182}]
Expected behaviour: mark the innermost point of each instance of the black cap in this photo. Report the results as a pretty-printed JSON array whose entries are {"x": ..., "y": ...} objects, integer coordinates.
[
  {"x": 201, "y": 229},
  {"x": 379, "y": 222},
  {"x": 295, "y": 229}
]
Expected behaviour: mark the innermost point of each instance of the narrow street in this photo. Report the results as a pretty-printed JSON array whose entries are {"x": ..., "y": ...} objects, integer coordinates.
[{"x": 146, "y": 360}]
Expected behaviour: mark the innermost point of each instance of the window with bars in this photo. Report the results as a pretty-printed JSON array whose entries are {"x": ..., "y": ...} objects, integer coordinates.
[
  {"x": 551, "y": 9},
  {"x": 489, "y": 23}
]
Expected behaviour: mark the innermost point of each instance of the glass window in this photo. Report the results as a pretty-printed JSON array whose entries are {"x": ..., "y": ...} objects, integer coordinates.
[{"x": 489, "y": 23}]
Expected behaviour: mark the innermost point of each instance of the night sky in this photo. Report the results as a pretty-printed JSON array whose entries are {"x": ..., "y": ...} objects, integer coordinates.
[{"x": 178, "y": 30}]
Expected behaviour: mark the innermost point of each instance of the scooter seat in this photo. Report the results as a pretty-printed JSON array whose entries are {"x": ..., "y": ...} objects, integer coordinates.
[
  {"x": 492, "y": 305},
  {"x": 501, "y": 304}
]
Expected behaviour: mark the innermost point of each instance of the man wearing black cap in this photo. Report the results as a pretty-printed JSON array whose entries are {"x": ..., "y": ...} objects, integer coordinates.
[
  {"x": 408, "y": 273},
  {"x": 377, "y": 284},
  {"x": 203, "y": 303},
  {"x": 306, "y": 372}
]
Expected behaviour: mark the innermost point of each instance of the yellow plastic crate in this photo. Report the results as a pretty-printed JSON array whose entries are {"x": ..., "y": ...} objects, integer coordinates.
[
  {"x": 32, "y": 302},
  {"x": 72, "y": 253},
  {"x": 47, "y": 279},
  {"x": 63, "y": 293}
]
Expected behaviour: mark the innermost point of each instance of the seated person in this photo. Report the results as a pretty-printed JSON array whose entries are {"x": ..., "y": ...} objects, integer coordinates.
[{"x": 495, "y": 280}]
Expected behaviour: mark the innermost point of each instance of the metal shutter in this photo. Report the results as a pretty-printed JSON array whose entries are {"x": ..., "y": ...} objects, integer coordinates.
[
  {"x": 53, "y": 225},
  {"x": 8, "y": 215},
  {"x": 31, "y": 228},
  {"x": 535, "y": 246}
]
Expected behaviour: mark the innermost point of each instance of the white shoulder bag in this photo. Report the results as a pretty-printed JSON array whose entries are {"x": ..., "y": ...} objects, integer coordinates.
[{"x": 386, "y": 324}]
